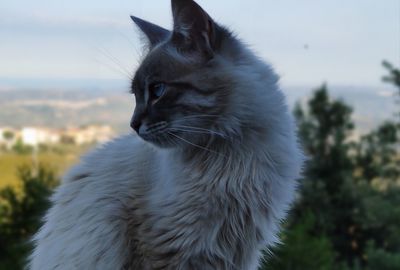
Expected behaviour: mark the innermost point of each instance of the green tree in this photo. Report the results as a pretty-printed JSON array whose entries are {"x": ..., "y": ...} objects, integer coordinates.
[
  {"x": 8, "y": 135},
  {"x": 378, "y": 164},
  {"x": 379, "y": 220},
  {"x": 394, "y": 75},
  {"x": 21, "y": 148},
  {"x": 351, "y": 188},
  {"x": 21, "y": 213},
  {"x": 302, "y": 249},
  {"x": 377, "y": 152},
  {"x": 377, "y": 155},
  {"x": 326, "y": 191}
]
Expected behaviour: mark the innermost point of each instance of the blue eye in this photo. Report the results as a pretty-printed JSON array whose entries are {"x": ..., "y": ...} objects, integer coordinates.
[{"x": 157, "y": 89}]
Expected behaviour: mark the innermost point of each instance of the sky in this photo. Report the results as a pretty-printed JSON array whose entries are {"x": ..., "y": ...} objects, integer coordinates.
[{"x": 308, "y": 42}]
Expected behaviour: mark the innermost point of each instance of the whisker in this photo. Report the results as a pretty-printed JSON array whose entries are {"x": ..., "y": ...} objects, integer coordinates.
[
  {"x": 178, "y": 121},
  {"x": 135, "y": 54},
  {"x": 107, "y": 54},
  {"x": 188, "y": 131},
  {"x": 198, "y": 115},
  {"x": 170, "y": 140},
  {"x": 112, "y": 57},
  {"x": 200, "y": 129},
  {"x": 193, "y": 144},
  {"x": 117, "y": 70}
]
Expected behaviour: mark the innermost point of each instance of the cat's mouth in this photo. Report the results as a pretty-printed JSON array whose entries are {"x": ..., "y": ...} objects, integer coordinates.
[
  {"x": 166, "y": 135},
  {"x": 151, "y": 130},
  {"x": 156, "y": 133}
]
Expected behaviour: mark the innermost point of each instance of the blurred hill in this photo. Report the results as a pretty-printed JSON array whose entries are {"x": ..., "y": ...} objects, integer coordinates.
[
  {"x": 57, "y": 108},
  {"x": 60, "y": 108}
]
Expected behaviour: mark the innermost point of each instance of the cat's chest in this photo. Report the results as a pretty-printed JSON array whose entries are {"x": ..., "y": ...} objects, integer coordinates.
[
  {"x": 188, "y": 211},
  {"x": 181, "y": 223},
  {"x": 205, "y": 193}
]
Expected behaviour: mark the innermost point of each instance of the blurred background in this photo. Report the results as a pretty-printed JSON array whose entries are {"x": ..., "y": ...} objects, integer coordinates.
[{"x": 65, "y": 74}]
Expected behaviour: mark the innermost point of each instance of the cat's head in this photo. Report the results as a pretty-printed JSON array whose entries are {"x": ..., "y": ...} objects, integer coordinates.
[{"x": 187, "y": 87}]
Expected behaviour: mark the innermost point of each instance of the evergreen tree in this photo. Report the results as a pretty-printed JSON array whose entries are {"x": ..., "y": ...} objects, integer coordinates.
[
  {"x": 378, "y": 163},
  {"x": 21, "y": 213},
  {"x": 378, "y": 152},
  {"x": 326, "y": 190},
  {"x": 302, "y": 248}
]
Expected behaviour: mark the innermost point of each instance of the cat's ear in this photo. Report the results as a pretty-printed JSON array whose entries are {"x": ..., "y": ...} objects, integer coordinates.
[
  {"x": 154, "y": 33},
  {"x": 193, "y": 27}
]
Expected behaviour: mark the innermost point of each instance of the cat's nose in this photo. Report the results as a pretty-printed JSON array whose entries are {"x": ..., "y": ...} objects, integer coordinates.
[{"x": 135, "y": 124}]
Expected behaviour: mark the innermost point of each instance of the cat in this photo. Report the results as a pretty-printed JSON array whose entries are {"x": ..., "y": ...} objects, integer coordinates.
[{"x": 210, "y": 176}]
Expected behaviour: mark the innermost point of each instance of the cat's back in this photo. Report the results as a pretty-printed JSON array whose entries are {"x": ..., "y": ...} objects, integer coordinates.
[{"x": 90, "y": 207}]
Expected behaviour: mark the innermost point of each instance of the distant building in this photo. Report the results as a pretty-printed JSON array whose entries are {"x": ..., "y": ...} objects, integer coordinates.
[
  {"x": 91, "y": 134},
  {"x": 35, "y": 136}
]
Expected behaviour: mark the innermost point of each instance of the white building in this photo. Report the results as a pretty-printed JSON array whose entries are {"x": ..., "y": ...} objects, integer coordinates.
[
  {"x": 35, "y": 136},
  {"x": 91, "y": 134}
]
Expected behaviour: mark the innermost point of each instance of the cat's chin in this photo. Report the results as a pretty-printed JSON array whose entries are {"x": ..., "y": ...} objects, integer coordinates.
[
  {"x": 162, "y": 145},
  {"x": 159, "y": 142}
]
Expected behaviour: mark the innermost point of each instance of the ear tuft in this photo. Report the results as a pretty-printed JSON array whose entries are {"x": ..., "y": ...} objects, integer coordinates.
[{"x": 154, "y": 33}]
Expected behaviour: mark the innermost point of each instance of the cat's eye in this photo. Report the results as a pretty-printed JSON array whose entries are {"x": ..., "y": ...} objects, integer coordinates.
[{"x": 157, "y": 89}]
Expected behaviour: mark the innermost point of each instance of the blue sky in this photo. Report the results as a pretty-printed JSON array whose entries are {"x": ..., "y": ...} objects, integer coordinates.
[{"x": 307, "y": 41}]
